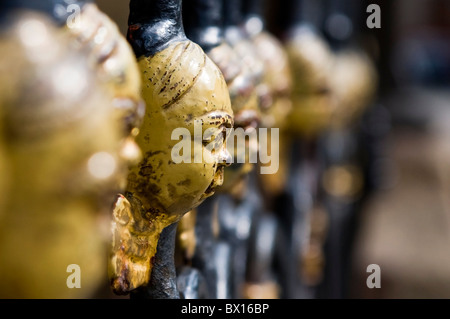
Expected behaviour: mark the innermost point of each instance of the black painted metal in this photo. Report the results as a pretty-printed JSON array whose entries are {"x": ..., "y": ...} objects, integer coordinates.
[
  {"x": 297, "y": 12},
  {"x": 163, "y": 280},
  {"x": 353, "y": 12},
  {"x": 232, "y": 12},
  {"x": 357, "y": 145},
  {"x": 203, "y": 22},
  {"x": 154, "y": 24},
  {"x": 237, "y": 219},
  {"x": 212, "y": 254},
  {"x": 224, "y": 261},
  {"x": 205, "y": 244},
  {"x": 58, "y": 10},
  {"x": 254, "y": 8},
  {"x": 261, "y": 258},
  {"x": 192, "y": 284}
]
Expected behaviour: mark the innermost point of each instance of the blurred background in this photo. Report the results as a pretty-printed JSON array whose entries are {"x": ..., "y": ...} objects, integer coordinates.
[{"x": 404, "y": 225}]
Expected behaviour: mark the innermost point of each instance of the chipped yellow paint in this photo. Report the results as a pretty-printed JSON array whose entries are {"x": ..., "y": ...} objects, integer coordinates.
[
  {"x": 331, "y": 90},
  {"x": 115, "y": 64},
  {"x": 242, "y": 79},
  {"x": 186, "y": 239},
  {"x": 311, "y": 61},
  {"x": 276, "y": 106},
  {"x": 353, "y": 82},
  {"x": 54, "y": 211},
  {"x": 275, "y": 88},
  {"x": 181, "y": 84}
]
